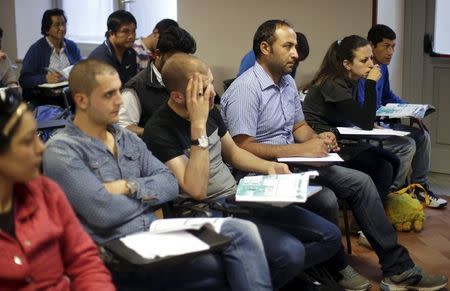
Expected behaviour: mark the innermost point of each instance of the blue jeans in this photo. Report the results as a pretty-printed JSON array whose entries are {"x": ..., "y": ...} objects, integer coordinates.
[
  {"x": 294, "y": 239},
  {"x": 380, "y": 164},
  {"x": 361, "y": 194},
  {"x": 417, "y": 158},
  {"x": 244, "y": 259},
  {"x": 283, "y": 230}
]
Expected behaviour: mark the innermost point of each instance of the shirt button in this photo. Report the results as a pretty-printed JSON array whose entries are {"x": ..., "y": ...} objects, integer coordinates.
[
  {"x": 28, "y": 279},
  {"x": 27, "y": 243},
  {"x": 17, "y": 260}
]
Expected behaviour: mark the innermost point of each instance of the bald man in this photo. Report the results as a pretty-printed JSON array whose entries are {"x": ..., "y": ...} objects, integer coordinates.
[
  {"x": 113, "y": 182},
  {"x": 189, "y": 136}
]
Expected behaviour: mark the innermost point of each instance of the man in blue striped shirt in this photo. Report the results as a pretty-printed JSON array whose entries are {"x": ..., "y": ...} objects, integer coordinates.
[{"x": 264, "y": 116}]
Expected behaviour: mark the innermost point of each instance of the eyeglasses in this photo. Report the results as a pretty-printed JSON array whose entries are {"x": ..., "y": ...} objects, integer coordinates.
[
  {"x": 127, "y": 32},
  {"x": 9, "y": 98},
  {"x": 59, "y": 24}
]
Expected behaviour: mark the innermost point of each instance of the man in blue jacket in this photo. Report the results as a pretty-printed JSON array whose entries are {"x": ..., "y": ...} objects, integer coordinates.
[
  {"x": 50, "y": 54},
  {"x": 382, "y": 39}
]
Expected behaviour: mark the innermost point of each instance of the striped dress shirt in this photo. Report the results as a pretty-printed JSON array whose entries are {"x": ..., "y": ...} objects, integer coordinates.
[{"x": 255, "y": 106}]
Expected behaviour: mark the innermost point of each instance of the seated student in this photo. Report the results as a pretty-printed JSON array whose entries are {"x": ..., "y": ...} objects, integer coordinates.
[
  {"x": 145, "y": 47},
  {"x": 7, "y": 69},
  {"x": 145, "y": 92},
  {"x": 302, "y": 49},
  {"x": 51, "y": 52},
  {"x": 331, "y": 101},
  {"x": 117, "y": 50},
  {"x": 113, "y": 183},
  {"x": 188, "y": 135},
  {"x": 43, "y": 245},
  {"x": 382, "y": 39},
  {"x": 264, "y": 116}
]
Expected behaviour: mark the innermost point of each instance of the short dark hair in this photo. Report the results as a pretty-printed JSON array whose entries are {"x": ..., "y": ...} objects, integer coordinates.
[
  {"x": 378, "y": 32},
  {"x": 83, "y": 76},
  {"x": 117, "y": 19},
  {"x": 176, "y": 39},
  {"x": 47, "y": 19},
  {"x": 1, "y": 32},
  {"x": 164, "y": 24},
  {"x": 302, "y": 46},
  {"x": 266, "y": 32}
]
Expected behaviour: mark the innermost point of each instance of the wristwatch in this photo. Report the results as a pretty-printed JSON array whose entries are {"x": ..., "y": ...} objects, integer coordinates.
[
  {"x": 132, "y": 187},
  {"x": 202, "y": 142}
]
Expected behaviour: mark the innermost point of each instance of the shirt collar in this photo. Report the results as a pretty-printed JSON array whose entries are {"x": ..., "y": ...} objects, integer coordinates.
[
  {"x": 76, "y": 131},
  {"x": 157, "y": 74},
  {"x": 53, "y": 47},
  {"x": 141, "y": 42},
  {"x": 265, "y": 80}
]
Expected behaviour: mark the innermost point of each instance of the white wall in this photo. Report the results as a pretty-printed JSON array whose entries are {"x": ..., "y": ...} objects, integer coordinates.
[
  {"x": 28, "y": 18},
  {"x": 392, "y": 14},
  {"x": 224, "y": 29},
  {"x": 8, "y": 24}
]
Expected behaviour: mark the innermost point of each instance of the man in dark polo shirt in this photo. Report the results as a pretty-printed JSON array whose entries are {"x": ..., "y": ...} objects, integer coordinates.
[{"x": 117, "y": 50}]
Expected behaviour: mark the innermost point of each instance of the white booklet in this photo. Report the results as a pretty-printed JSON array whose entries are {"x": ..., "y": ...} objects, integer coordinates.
[
  {"x": 376, "y": 131},
  {"x": 398, "y": 110},
  {"x": 275, "y": 188},
  {"x": 168, "y": 237},
  {"x": 332, "y": 157}
]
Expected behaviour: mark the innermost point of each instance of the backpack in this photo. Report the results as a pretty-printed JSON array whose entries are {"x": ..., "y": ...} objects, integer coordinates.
[
  {"x": 48, "y": 113},
  {"x": 403, "y": 209}
]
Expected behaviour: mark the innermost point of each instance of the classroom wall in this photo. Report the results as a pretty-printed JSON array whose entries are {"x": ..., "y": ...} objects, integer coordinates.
[
  {"x": 8, "y": 24},
  {"x": 392, "y": 14},
  {"x": 21, "y": 23},
  {"x": 224, "y": 29}
]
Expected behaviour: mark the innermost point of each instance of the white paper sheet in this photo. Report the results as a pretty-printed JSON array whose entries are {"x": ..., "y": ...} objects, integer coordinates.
[
  {"x": 54, "y": 85},
  {"x": 175, "y": 224},
  {"x": 332, "y": 157},
  {"x": 375, "y": 131},
  {"x": 150, "y": 245}
]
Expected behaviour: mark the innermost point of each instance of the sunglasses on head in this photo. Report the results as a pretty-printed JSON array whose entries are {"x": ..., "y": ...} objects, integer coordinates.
[{"x": 11, "y": 100}]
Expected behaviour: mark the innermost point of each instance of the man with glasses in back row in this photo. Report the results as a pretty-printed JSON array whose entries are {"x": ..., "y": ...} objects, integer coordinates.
[{"x": 117, "y": 50}]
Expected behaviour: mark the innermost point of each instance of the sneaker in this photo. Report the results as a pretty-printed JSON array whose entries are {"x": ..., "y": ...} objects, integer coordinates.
[
  {"x": 352, "y": 280},
  {"x": 413, "y": 279},
  {"x": 362, "y": 240},
  {"x": 431, "y": 200}
]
